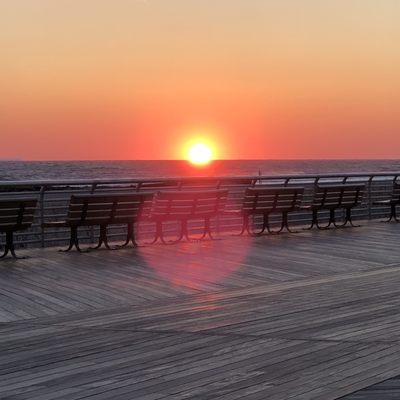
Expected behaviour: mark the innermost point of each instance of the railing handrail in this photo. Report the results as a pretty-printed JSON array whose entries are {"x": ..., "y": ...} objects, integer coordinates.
[
  {"x": 50, "y": 182},
  {"x": 53, "y": 194}
]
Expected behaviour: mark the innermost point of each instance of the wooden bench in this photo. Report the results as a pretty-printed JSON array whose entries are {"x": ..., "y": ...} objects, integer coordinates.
[
  {"x": 103, "y": 210},
  {"x": 265, "y": 201},
  {"x": 392, "y": 202},
  {"x": 332, "y": 198},
  {"x": 15, "y": 215},
  {"x": 184, "y": 206}
]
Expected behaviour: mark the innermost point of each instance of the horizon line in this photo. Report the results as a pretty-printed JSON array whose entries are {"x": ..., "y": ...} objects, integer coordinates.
[{"x": 185, "y": 160}]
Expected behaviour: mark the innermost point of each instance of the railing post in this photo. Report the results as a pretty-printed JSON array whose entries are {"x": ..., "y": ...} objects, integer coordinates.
[
  {"x": 315, "y": 185},
  {"x": 41, "y": 216},
  {"x": 370, "y": 197},
  {"x": 92, "y": 190},
  {"x": 344, "y": 181},
  {"x": 218, "y": 220}
]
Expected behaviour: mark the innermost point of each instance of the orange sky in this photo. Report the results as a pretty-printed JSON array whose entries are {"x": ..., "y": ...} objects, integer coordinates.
[{"x": 138, "y": 79}]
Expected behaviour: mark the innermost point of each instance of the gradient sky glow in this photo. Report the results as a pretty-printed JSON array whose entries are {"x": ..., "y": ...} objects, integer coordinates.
[{"x": 139, "y": 79}]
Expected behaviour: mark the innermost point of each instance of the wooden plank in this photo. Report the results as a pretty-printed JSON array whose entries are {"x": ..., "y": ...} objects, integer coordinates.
[{"x": 307, "y": 316}]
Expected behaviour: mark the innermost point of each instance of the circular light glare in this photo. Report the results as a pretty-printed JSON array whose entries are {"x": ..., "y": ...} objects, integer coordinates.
[{"x": 200, "y": 154}]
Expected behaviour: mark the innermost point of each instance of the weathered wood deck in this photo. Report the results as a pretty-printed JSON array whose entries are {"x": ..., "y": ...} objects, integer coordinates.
[{"x": 313, "y": 315}]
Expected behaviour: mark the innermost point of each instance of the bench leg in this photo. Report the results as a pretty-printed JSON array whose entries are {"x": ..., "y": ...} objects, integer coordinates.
[
  {"x": 262, "y": 230},
  {"x": 6, "y": 251},
  {"x": 9, "y": 247},
  {"x": 158, "y": 233},
  {"x": 73, "y": 241},
  {"x": 181, "y": 235},
  {"x": 314, "y": 220},
  {"x": 393, "y": 214},
  {"x": 347, "y": 220},
  {"x": 102, "y": 239},
  {"x": 283, "y": 225},
  {"x": 245, "y": 226},
  {"x": 330, "y": 222},
  {"x": 130, "y": 237},
  {"x": 207, "y": 231},
  {"x": 184, "y": 231},
  {"x": 286, "y": 223},
  {"x": 6, "y": 247}
]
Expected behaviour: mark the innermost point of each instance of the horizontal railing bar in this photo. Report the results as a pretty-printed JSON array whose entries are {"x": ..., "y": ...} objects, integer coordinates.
[
  {"x": 194, "y": 179},
  {"x": 54, "y": 196}
]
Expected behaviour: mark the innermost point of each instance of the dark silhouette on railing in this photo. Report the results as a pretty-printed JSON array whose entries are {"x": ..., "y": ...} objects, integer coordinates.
[
  {"x": 102, "y": 211},
  {"x": 15, "y": 215},
  {"x": 392, "y": 202},
  {"x": 266, "y": 201},
  {"x": 186, "y": 206},
  {"x": 332, "y": 198}
]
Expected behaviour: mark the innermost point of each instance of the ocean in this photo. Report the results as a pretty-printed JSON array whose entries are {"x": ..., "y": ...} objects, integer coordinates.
[{"x": 38, "y": 170}]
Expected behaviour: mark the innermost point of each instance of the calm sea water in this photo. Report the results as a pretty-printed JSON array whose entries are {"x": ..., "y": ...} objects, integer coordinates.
[{"x": 34, "y": 170}]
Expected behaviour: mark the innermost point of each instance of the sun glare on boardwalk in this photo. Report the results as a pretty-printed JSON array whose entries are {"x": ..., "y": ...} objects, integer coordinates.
[{"x": 200, "y": 154}]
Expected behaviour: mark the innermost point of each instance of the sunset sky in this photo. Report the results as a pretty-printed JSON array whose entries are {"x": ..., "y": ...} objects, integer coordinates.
[{"x": 140, "y": 79}]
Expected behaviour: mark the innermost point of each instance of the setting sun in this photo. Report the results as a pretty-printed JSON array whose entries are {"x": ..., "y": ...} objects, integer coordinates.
[{"x": 200, "y": 154}]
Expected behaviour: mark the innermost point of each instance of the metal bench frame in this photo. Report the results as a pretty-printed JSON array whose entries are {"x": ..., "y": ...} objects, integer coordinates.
[
  {"x": 17, "y": 214},
  {"x": 265, "y": 201},
  {"x": 105, "y": 209},
  {"x": 332, "y": 198},
  {"x": 392, "y": 202},
  {"x": 183, "y": 206}
]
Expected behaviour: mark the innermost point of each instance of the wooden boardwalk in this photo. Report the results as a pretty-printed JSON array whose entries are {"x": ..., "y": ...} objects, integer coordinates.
[{"x": 313, "y": 315}]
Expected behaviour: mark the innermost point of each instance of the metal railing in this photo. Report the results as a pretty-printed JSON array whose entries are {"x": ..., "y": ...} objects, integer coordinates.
[{"x": 54, "y": 196}]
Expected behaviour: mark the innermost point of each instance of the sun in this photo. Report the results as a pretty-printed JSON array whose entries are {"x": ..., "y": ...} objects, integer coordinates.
[{"x": 200, "y": 154}]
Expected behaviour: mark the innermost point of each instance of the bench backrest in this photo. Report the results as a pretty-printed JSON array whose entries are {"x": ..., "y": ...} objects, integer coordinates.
[
  {"x": 338, "y": 196},
  {"x": 264, "y": 200},
  {"x": 184, "y": 205},
  {"x": 396, "y": 192},
  {"x": 98, "y": 209},
  {"x": 16, "y": 214}
]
